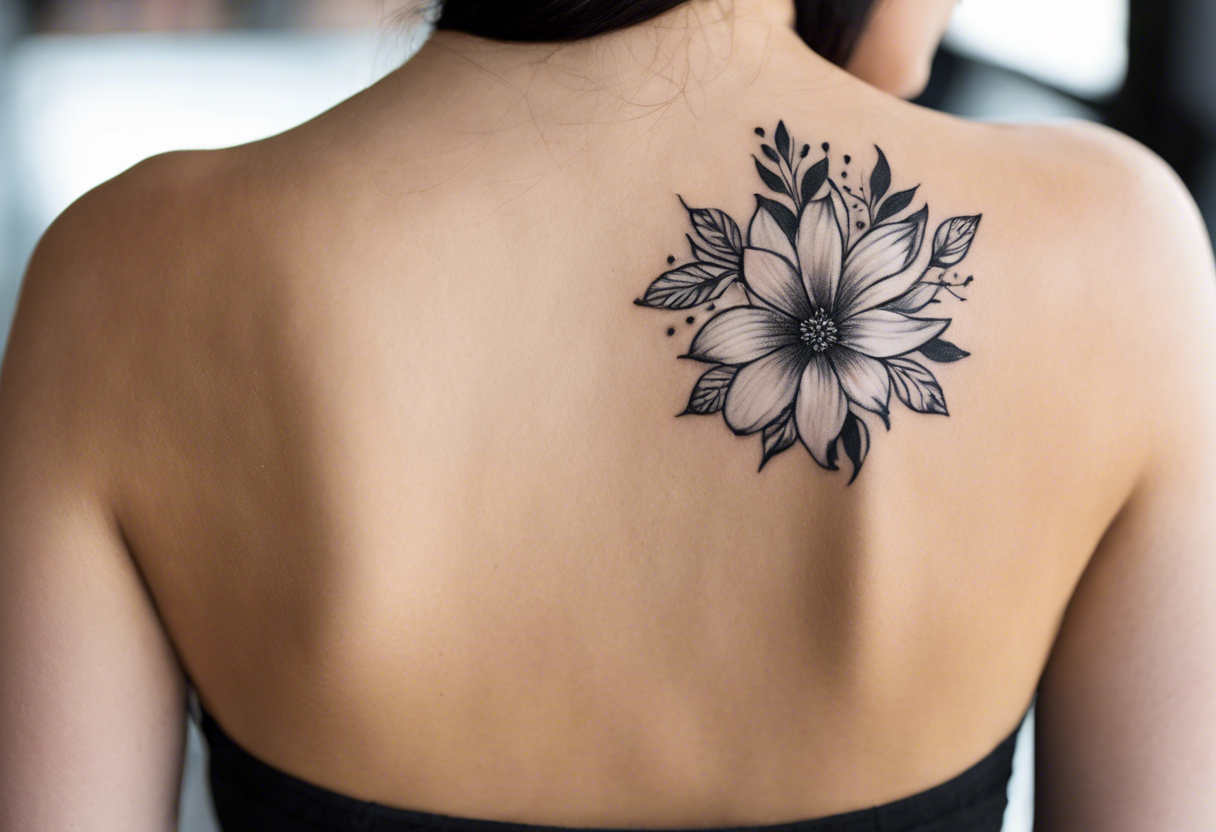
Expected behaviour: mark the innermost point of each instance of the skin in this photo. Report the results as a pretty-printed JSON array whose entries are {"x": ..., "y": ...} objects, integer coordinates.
[
  {"x": 358, "y": 429},
  {"x": 895, "y": 51}
]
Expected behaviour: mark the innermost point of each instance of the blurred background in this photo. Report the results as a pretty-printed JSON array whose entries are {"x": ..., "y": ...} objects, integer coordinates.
[{"x": 90, "y": 87}]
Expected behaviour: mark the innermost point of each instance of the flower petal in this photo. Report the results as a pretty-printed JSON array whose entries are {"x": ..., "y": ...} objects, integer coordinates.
[
  {"x": 915, "y": 299},
  {"x": 775, "y": 280},
  {"x": 764, "y": 232},
  {"x": 820, "y": 251},
  {"x": 742, "y": 334},
  {"x": 865, "y": 380},
  {"x": 762, "y": 389},
  {"x": 820, "y": 408},
  {"x": 881, "y": 333},
  {"x": 884, "y": 250},
  {"x": 881, "y": 291}
]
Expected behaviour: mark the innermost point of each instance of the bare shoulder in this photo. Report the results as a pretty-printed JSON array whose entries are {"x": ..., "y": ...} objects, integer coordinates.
[
  {"x": 1084, "y": 195},
  {"x": 93, "y": 704},
  {"x": 94, "y": 296},
  {"x": 1141, "y": 224},
  {"x": 90, "y": 248},
  {"x": 1129, "y": 262},
  {"x": 1126, "y": 718},
  {"x": 86, "y": 254},
  {"x": 1115, "y": 193},
  {"x": 1130, "y": 211}
]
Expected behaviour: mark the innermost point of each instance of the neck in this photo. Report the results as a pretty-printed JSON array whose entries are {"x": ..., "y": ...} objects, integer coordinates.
[{"x": 693, "y": 49}]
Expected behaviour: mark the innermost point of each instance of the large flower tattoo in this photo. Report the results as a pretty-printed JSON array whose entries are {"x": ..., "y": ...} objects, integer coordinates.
[{"x": 824, "y": 328}]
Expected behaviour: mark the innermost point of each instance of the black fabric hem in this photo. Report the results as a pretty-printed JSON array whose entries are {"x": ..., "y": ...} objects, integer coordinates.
[{"x": 250, "y": 795}]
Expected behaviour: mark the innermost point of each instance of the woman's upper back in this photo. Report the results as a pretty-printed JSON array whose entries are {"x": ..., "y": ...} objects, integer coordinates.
[{"x": 396, "y": 452}]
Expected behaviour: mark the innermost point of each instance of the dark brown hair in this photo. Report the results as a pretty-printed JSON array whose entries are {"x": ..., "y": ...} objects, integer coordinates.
[{"x": 830, "y": 27}]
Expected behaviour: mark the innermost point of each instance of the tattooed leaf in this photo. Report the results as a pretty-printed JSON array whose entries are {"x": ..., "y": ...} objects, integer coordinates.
[
  {"x": 778, "y": 435},
  {"x": 709, "y": 394},
  {"x": 953, "y": 239},
  {"x": 711, "y": 257},
  {"x": 916, "y": 386},
  {"x": 687, "y": 286},
  {"x": 813, "y": 180},
  {"x": 770, "y": 154},
  {"x": 718, "y": 232},
  {"x": 855, "y": 437},
  {"x": 782, "y": 138},
  {"x": 915, "y": 299},
  {"x": 832, "y": 466},
  {"x": 700, "y": 252},
  {"x": 771, "y": 179},
  {"x": 880, "y": 178},
  {"x": 894, "y": 204},
  {"x": 784, "y": 216},
  {"x": 939, "y": 349}
]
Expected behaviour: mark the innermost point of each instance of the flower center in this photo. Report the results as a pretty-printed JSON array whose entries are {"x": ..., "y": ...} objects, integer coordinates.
[{"x": 819, "y": 331}]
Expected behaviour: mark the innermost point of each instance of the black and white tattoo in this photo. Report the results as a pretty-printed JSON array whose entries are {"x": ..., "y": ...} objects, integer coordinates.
[{"x": 822, "y": 327}]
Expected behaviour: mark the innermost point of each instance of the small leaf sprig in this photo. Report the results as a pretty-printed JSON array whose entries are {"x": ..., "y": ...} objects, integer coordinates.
[
  {"x": 951, "y": 242},
  {"x": 789, "y": 180}
]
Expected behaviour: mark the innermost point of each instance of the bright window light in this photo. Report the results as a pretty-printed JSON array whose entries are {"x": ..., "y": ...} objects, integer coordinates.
[
  {"x": 1077, "y": 45},
  {"x": 85, "y": 108}
]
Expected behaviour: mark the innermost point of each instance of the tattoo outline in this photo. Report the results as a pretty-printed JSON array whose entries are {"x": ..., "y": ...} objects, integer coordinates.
[{"x": 826, "y": 327}]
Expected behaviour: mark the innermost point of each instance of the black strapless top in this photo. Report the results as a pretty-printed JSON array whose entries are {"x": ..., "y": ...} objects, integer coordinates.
[{"x": 251, "y": 796}]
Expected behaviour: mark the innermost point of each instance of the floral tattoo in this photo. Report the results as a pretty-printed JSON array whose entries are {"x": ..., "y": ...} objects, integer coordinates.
[{"x": 823, "y": 328}]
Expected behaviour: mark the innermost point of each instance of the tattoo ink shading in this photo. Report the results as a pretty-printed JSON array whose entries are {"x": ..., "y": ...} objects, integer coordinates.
[{"x": 826, "y": 329}]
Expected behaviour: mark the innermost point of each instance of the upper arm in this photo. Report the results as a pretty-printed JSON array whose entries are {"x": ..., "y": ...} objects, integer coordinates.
[
  {"x": 1126, "y": 709},
  {"x": 91, "y": 697}
]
